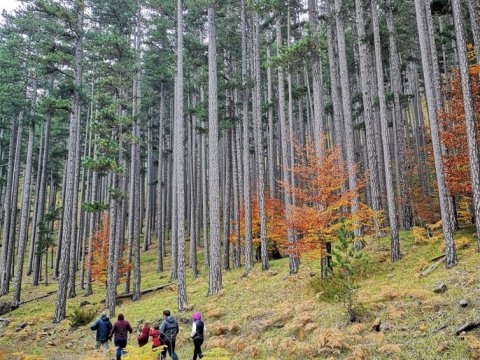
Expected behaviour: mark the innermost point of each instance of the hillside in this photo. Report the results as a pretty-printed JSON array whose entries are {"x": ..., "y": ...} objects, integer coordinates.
[{"x": 288, "y": 321}]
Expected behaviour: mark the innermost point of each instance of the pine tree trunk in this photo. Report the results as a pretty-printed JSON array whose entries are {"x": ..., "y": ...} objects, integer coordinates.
[
  {"x": 215, "y": 270},
  {"x": 61, "y": 302},
  {"x": 392, "y": 216},
  {"x": 404, "y": 192},
  {"x": 294, "y": 262},
  {"x": 136, "y": 185},
  {"x": 7, "y": 204},
  {"x": 346, "y": 103},
  {"x": 179, "y": 153},
  {"x": 26, "y": 195},
  {"x": 227, "y": 196},
  {"x": 451, "y": 256},
  {"x": 246, "y": 149},
  {"x": 258, "y": 136},
  {"x": 366, "y": 88},
  {"x": 334, "y": 84},
  {"x": 160, "y": 183},
  {"x": 469, "y": 112},
  {"x": 318, "y": 101},
  {"x": 271, "y": 154}
]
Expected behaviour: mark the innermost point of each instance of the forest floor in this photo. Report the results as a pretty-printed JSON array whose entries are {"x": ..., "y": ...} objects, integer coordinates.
[{"x": 271, "y": 315}]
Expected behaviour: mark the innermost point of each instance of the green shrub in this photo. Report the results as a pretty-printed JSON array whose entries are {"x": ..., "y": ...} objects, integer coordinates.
[{"x": 81, "y": 317}]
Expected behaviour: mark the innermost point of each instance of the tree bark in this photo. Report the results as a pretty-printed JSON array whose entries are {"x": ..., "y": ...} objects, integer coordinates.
[
  {"x": 215, "y": 271},
  {"x": 392, "y": 216},
  {"x": 469, "y": 112},
  {"x": 451, "y": 256},
  {"x": 61, "y": 302}
]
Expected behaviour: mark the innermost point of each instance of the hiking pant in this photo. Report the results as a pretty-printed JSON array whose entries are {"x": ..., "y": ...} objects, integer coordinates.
[
  {"x": 198, "y": 348},
  {"x": 120, "y": 344},
  {"x": 170, "y": 348},
  {"x": 102, "y": 345}
]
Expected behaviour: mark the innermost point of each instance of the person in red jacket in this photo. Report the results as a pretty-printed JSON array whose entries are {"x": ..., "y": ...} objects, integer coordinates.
[
  {"x": 143, "y": 338},
  {"x": 119, "y": 332},
  {"x": 155, "y": 334}
]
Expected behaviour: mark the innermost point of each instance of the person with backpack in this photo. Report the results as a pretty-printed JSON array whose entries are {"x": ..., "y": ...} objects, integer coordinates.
[
  {"x": 103, "y": 326},
  {"x": 168, "y": 333},
  {"x": 198, "y": 335},
  {"x": 120, "y": 331}
]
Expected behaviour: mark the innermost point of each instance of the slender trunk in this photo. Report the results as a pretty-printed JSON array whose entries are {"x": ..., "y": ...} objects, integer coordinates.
[
  {"x": 60, "y": 305},
  {"x": 469, "y": 112},
  {"x": 451, "y": 256},
  {"x": 318, "y": 101},
  {"x": 246, "y": 149},
  {"x": 215, "y": 271},
  {"x": 294, "y": 262},
  {"x": 25, "y": 209},
  {"x": 366, "y": 88},
  {"x": 179, "y": 153},
  {"x": 346, "y": 103},
  {"x": 258, "y": 135},
  {"x": 395, "y": 242}
]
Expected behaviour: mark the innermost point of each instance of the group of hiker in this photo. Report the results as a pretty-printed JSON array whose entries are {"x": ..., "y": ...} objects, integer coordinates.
[{"x": 163, "y": 335}]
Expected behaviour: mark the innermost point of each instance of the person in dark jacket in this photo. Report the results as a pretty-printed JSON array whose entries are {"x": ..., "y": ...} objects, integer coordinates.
[
  {"x": 120, "y": 331},
  {"x": 144, "y": 335},
  {"x": 103, "y": 326},
  {"x": 198, "y": 335},
  {"x": 168, "y": 333}
]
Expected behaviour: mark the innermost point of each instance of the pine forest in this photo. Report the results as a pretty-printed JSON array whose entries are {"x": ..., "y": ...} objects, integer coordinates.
[{"x": 304, "y": 173}]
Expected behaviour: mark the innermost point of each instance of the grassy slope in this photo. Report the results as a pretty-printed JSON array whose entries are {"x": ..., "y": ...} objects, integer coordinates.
[{"x": 270, "y": 315}]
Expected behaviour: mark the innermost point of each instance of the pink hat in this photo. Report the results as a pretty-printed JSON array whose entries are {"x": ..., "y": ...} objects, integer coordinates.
[{"x": 197, "y": 316}]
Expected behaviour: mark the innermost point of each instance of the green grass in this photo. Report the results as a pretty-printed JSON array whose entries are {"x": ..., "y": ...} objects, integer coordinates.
[{"x": 272, "y": 315}]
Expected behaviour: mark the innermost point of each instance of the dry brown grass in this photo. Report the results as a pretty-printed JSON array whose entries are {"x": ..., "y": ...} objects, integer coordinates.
[
  {"x": 356, "y": 329},
  {"x": 359, "y": 353},
  {"x": 390, "y": 349},
  {"x": 395, "y": 313},
  {"x": 217, "y": 342},
  {"x": 389, "y": 293},
  {"x": 330, "y": 338},
  {"x": 472, "y": 341},
  {"x": 237, "y": 344},
  {"x": 252, "y": 351},
  {"x": 215, "y": 313}
]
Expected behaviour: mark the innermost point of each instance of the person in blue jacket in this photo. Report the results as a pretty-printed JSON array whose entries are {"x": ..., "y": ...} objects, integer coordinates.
[
  {"x": 168, "y": 333},
  {"x": 103, "y": 326}
]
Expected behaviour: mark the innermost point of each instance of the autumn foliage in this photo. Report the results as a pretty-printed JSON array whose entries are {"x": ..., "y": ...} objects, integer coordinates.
[
  {"x": 276, "y": 226},
  {"x": 323, "y": 201},
  {"x": 100, "y": 246},
  {"x": 454, "y": 134}
]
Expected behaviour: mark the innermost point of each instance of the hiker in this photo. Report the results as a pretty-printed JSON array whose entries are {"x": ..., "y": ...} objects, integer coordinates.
[
  {"x": 155, "y": 334},
  {"x": 120, "y": 331},
  {"x": 144, "y": 335},
  {"x": 168, "y": 333},
  {"x": 198, "y": 335},
  {"x": 103, "y": 326}
]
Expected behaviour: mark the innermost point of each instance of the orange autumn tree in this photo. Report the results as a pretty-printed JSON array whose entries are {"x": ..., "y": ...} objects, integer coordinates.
[
  {"x": 323, "y": 202},
  {"x": 454, "y": 133},
  {"x": 454, "y": 136},
  {"x": 276, "y": 226},
  {"x": 99, "y": 260}
]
